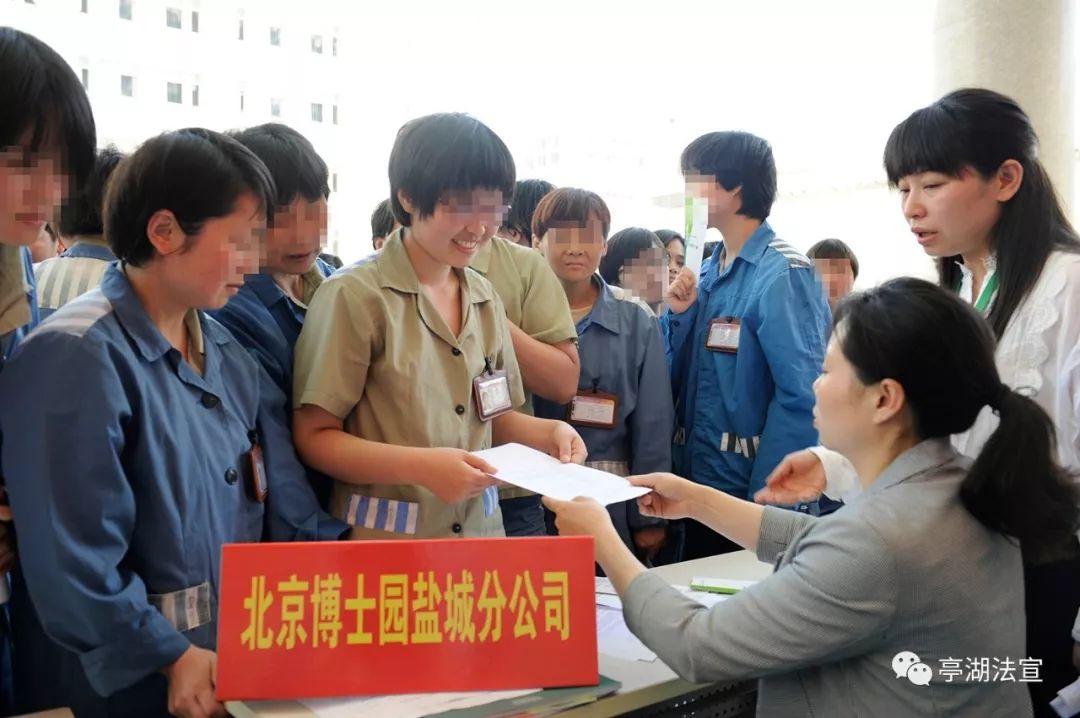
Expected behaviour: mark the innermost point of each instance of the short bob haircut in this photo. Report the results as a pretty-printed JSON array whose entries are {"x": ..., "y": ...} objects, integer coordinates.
[
  {"x": 382, "y": 220},
  {"x": 569, "y": 205},
  {"x": 834, "y": 249},
  {"x": 527, "y": 195},
  {"x": 81, "y": 216},
  {"x": 194, "y": 173},
  {"x": 733, "y": 160},
  {"x": 627, "y": 244},
  {"x": 667, "y": 236},
  {"x": 296, "y": 167},
  {"x": 40, "y": 94},
  {"x": 442, "y": 153}
]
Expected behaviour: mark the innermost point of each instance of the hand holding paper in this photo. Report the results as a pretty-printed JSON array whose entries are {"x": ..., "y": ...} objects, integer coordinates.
[{"x": 536, "y": 471}]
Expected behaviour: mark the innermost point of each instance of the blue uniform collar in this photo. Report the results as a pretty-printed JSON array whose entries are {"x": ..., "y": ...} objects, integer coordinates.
[
  {"x": 605, "y": 312},
  {"x": 751, "y": 252},
  {"x": 89, "y": 249},
  {"x": 134, "y": 320},
  {"x": 268, "y": 291}
]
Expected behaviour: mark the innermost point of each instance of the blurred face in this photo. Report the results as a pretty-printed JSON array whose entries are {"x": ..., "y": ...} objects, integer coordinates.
[
  {"x": 209, "y": 267},
  {"x": 837, "y": 278},
  {"x": 676, "y": 258},
  {"x": 460, "y": 225},
  {"x": 723, "y": 204},
  {"x": 646, "y": 275},
  {"x": 574, "y": 251},
  {"x": 843, "y": 411},
  {"x": 32, "y": 187},
  {"x": 298, "y": 235},
  {"x": 951, "y": 215}
]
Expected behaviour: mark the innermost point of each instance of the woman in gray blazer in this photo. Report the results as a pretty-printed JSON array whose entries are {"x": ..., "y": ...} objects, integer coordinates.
[{"x": 876, "y": 609}]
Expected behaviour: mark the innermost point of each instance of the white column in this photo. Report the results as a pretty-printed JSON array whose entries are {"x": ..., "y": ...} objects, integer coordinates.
[{"x": 1021, "y": 48}]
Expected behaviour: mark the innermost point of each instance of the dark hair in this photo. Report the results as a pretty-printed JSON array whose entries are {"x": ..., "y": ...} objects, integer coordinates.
[
  {"x": 442, "y": 153},
  {"x": 736, "y": 159},
  {"x": 296, "y": 167},
  {"x": 82, "y": 214},
  {"x": 980, "y": 129},
  {"x": 527, "y": 195},
  {"x": 194, "y": 173},
  {"x": 624, "y": 245},
  {"x": 40, "y": 93},
  {"x": 667, "y": 236},
  {"x": 942, "y": 353},
  {"x": 834, "y": 249},
  {"x": 709, "y": 248},
  {"x": 571, "y": 205},
  {"x": 382, "y": 220}
]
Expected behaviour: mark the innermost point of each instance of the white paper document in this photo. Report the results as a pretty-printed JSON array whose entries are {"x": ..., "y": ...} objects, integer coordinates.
[
  {"x": 708, "y": 600},
  {"x": 1067, "y": 702},
  {"x": 536, "y": 471},
  {"x": 613, "y": 638},
  {"x": 408, "y": 705},
  {"x": 697, "y": 223}
]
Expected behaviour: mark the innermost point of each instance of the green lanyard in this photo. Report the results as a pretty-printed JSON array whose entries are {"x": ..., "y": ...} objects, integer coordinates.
[{"x": 987, "y": 294}]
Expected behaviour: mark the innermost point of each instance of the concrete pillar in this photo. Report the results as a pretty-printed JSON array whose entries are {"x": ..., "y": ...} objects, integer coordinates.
[{"x": 1021, "y": 48}]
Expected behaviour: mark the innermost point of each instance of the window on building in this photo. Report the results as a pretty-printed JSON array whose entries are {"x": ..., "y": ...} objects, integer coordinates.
[
  {"x": 86, "y": 79},
  {"x": 85, "y": 6},
  {"x": 127, "y": 85},
  {"x": 333, "y": 46},
  {"x": 316, "y": 112},
  {"x": 175, "y": 92},
  {"x": 125, "y": 9},
  {"x": 275, "y": 107},
  {"x": 195, "y": 96},
  {"x": 275, "y": 36},
  {"x": 194, "y": 20},
  {"x": 241, "y": 101},
  {"x": 333, "y": 182},
  {"x": 172, "y": 17},
  {"x": 316, "y": 44},
  {"x": 240, "y": 32},
  {"x": 333, "y": 113}
]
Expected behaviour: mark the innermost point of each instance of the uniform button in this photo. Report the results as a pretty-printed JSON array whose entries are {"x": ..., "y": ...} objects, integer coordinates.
[
  {"x": 456, "y": 528},
  {"x": 456, "y": 352},
  {"x": 459, "y": 409},
  {"x": 674, "y": 322},
  {"x": 231, "y": 477},
  {"x": 209, "y": 400}
]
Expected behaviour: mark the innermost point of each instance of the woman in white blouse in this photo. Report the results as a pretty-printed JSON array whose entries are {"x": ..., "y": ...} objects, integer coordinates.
[{"x": 978, "y": 200}]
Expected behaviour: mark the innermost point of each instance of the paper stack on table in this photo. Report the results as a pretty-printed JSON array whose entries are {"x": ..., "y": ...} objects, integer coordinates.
[
  {"x": 536, "y": 471},
  {"x": 407, "y": 705},
  {"x": 1067, "y": 702}
]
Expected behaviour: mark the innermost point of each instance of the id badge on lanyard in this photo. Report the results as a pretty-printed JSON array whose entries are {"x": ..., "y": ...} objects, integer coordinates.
[
  {"x": 595, "y": 408},
  {"x": 723, "y": 335},
  {"x": 491, "y": 392}
]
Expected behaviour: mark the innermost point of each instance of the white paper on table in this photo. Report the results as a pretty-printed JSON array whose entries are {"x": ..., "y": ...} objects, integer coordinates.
[
  {"x": 697, "y": 224},
  {"x": 613, "y": 638},
  {"x": 708, "y": 600},
  {"x": 1067, "y": 702},
  {"x": 406, "y": 705},
  {"x": 604, "y": 585},
  {"x": 536, "y": 471}
]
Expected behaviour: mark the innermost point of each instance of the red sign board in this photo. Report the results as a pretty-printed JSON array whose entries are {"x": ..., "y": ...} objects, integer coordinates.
[{"x": 345, "y": 618}]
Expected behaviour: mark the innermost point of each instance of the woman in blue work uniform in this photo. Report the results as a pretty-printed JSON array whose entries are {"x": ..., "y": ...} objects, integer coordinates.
[
  {"x": 167, "y": 420},
  {"x": 623, "y": 408},
  {"x": 47, "y": 139}
]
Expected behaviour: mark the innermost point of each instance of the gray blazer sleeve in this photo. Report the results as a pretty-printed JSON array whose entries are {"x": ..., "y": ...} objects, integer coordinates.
[
  {"x": 778, "y": 528},
  {"x": 833, "y": 600}
]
